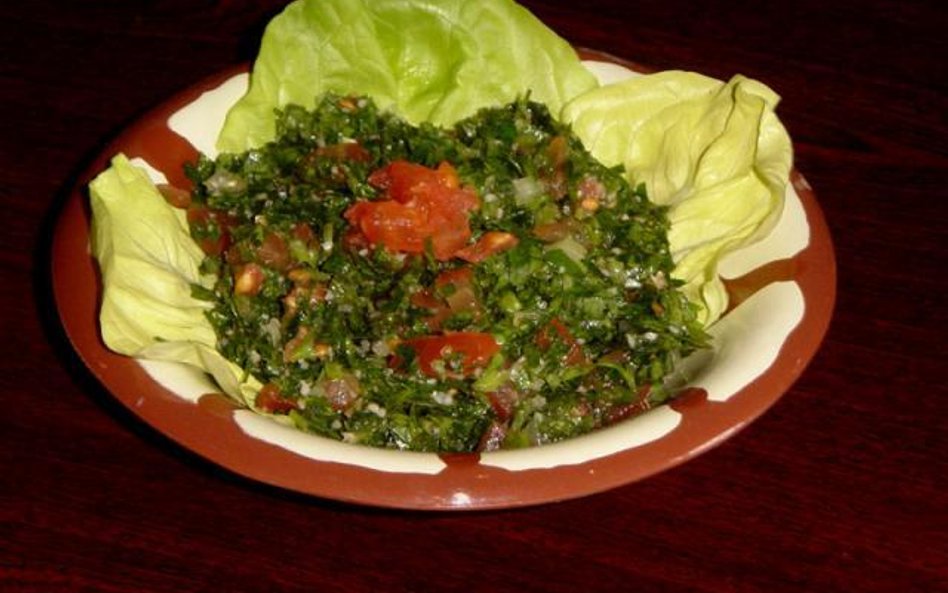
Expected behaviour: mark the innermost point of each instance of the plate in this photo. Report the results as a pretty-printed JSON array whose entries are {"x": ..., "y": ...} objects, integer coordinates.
[{"x": 782, "y": 288}]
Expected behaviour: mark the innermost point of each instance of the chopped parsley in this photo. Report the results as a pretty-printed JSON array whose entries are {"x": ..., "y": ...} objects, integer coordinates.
[{"x": 485, "y": 286}]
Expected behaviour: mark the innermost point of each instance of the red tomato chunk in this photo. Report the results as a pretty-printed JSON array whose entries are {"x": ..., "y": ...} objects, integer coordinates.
[
  {"x": 420, "y": 205},
  {"x": 472, "y": 349}
]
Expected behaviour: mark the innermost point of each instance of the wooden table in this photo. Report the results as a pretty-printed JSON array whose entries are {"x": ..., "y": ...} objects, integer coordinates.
[{"x": 840, "y": 487}]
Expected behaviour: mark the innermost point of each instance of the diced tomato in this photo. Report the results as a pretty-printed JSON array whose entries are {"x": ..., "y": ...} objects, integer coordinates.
[
  {"x": 212, "y": 246},
  {"x": 426, "y": 299},
  {"x": 555, "y": 330},
  {"x": 404, "y": 180},
  {"x": 300, "y": 277},
  {"x": 200, "y": 215},
  {"x": 556, "y": 177},
  {"x": 591, "y": 188},
  {"x": 210, "y": 227},
  {"x": 620, "y": 357},
  {"x": 620, "y": 412},
  {"x": 344, "y": 151},
  {"x": 299, "y": 347},
  {"x": 453, "y": 293},
  {"x": 234, "y": 256},
  {"x": 337, "y": 156},
  {"x": 490, "y": 243},
  {"x": 274, "y": 252},
  {"x": 558, "y": 151},
  {"x": 493, "y": 437},
  {"x": 591, "y": 193},
  {"x": 303, "y": 232},
  {"x": 461, "y": 276},
  {"x": 473, "y": 349},
  {"x": 457, "y": 286},
  {"x": 342, "y": 393},
  {"x": 423, "y": 205},
  {"x": 398, "y": 226},
  {"x": 248, "y": 279},
  {"x": 449, "y": 176},
  {"x": 353, "y": 239},
  {"x": 269, "y": 399},
  {"x": 503, "y": 401},
  {"x": 552, "y": 232},
  {"x": 302, "y": 294},
  {"x": 348, "y": 104},
  {"x": 439, "y": 311}
]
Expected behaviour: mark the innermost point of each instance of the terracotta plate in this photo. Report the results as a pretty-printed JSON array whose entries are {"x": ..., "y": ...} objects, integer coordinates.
[{"x": 783, "y": 288}]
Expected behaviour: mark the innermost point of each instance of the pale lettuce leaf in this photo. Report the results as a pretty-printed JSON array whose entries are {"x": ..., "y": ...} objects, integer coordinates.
[
  {"x": 715, "y": 153},
  {"x": 148, "y": 264},
  {"x": 428, "y": 60}
]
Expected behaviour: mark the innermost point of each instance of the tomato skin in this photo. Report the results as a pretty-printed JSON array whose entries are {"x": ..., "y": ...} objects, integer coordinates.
[
  {"x": 420, "y": 205},
  {"x": 475, "y": 350}
]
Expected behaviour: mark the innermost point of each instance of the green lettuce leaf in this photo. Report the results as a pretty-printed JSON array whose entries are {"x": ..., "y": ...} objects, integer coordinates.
[
  {"x": 429, "y": 60},
  {"x": 713, "y": 152},
  {"x": 149, "y": 263}
]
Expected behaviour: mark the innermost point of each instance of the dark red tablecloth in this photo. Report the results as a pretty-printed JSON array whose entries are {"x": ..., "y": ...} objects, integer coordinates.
[{"x": 840, "y": 487}]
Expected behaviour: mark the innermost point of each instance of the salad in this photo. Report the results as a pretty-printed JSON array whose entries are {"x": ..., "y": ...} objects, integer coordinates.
[{"x": 413, "y": 238}]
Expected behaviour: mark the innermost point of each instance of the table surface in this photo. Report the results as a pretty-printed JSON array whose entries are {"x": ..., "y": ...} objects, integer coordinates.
[{"x": 840, "y": 486}]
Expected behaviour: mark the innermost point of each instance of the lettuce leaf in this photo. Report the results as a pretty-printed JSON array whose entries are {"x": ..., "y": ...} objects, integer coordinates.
[
  {"x": 149, "y": 264},
  {"x": 429, "y": 60},
  {"x": 713, "y": 152}
]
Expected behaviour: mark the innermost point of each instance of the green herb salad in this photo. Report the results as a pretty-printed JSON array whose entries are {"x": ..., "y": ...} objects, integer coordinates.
[
  {"x": 488, "y": 285},
  {"x": 425, "y": 258}
]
